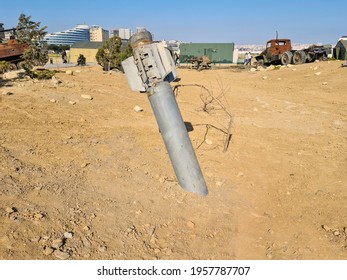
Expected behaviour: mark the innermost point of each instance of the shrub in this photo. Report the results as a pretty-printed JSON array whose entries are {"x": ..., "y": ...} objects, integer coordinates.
[
  {"x": 4, "y": 66},
  {"x": 113, "y": 52}
]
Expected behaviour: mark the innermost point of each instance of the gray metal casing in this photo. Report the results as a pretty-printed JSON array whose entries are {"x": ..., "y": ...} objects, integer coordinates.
[
  {"x": 176, "y": 139},
  {"x": 151, "y": 70},
  {"x": 143, "y": 71},
  {"x": 132, "y": 73}
]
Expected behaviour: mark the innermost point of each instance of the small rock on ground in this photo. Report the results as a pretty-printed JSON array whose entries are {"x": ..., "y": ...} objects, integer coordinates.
[
  {"x": 138, "y": 109},
  {"x": 102, "y": 248},
  {"x": 48, "y": 251},
  {"x": 86, "y": 96},
  {"x": 57, "y": 243},
  {"x": 10, "y": 210},
  {"x": 14, "y": 74},
  {"x": 68, "y": 234},
  {"x": 6, "y": 92},
  {"x": 61, "y": 255},
  {"x": 55, "y": 81},
  {"x": 219, "y": 183},
  {"x": 191, "y": 224}
]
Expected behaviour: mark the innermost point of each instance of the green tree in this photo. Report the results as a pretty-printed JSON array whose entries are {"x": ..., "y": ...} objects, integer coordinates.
[
  {"x": 113, "y": 52},
  {"x": 126, "y": 52},
  {"x": 30, "y": 33},
  {"x": 4, "y": 66}
]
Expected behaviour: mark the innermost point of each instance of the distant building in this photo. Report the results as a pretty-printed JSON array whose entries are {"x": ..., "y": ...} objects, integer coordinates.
[
  {"x": 141, "y": 28},
  {"x": 70, "y": 36},
  {"x": 8, "y": 35},
  {"x": 217, "y": 52},
  {"x": 5, "y": 35},
  {"x": 98, "y": 34},
  {"x": 2, "y": 34},
  {"x": 340, "y": 50},
  {"x": 123, "y": 33},
  {"x": 172, "y": 45},
  {"x": 114, "y": 32},
  {"x": 87, "y": 49}
]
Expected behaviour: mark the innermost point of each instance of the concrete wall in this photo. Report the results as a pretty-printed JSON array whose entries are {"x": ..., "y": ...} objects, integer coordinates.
[{"x": 89, "y": 54}]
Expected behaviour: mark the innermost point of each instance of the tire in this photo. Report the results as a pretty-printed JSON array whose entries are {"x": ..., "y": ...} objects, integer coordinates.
[
  {"x": 12, "y": 67},
  {"x": 311, "y": 57},
  {"x": 20, "y": 65},
  {"x": 286, "y": 58},
  {"x": 260, "y": 62},
  {"x": 299, "y": 57}
]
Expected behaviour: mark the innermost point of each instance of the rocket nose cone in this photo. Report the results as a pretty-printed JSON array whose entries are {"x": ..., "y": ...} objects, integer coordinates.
[{"x": 140, "y": 37}]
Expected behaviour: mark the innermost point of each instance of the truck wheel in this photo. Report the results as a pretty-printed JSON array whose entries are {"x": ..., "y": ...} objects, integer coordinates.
[
  {"x": 311, "y": 57},
  {"x": 299, "y": 57},
  {"x": 20, "y": 65},
  {"x": 12, "y": 67},
  {"x": 286, "y": 58},
  {"x": 260, "y": 62}
]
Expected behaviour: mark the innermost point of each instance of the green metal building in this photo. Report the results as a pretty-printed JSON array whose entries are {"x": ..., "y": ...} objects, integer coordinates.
[
  {"x": 340, "y": 51},
  {"x": 217, "y": 52}
]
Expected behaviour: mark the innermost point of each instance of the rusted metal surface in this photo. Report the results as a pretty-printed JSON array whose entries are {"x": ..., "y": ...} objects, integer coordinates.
[
  {"x": 274, "y": 50},
  {"x": 200, "y": 63},
  {"x": 12, "y": 50},
  {"x": 279, "y": 51},
  {"x": 279, "y": 46}
]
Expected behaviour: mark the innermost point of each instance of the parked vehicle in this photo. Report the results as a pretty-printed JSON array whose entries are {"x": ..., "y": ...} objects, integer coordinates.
[
  {"x": 12, "y": 51},
  {"x": 279, "y": 51},
  {"x": 200, "y": 63}
]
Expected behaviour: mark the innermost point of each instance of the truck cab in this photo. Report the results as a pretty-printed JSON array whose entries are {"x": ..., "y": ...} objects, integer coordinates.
[{"x": 274, "y": 50}]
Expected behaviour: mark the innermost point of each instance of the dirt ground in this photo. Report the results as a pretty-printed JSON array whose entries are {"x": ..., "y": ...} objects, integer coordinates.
[{"x": 91, "y": 179}]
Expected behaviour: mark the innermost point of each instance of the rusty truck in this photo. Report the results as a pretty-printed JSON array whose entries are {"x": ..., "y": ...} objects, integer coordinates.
[
  {"x": 279, "y": 51},
  {"x": 12, "y": 51}
]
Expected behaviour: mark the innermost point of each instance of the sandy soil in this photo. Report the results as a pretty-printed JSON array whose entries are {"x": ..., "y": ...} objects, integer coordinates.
[{"x": 93, "y": 180}]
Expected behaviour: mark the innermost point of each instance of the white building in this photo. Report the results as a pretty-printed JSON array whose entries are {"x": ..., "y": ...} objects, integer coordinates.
[
  {"x": 141, "y": 28},
  {"x": 123, "y": 33},
  {"x": 98, "y": 34},
  {"x": 172, "y": 45},
  {"x": 70, "y": 36}
]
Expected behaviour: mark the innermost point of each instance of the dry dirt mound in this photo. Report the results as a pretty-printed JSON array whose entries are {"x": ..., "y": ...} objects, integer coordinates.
[{"x": 88, "y": 177}]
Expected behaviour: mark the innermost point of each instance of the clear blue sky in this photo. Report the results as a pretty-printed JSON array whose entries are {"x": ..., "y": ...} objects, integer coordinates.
[{"x": 241, "y": 22}]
